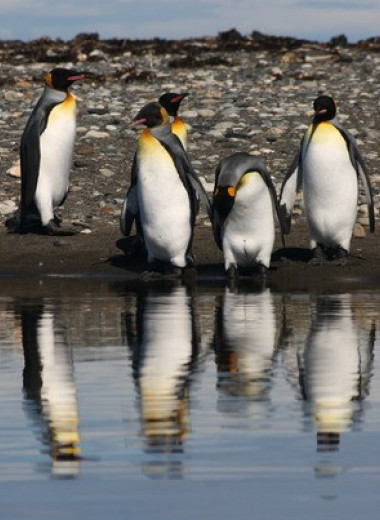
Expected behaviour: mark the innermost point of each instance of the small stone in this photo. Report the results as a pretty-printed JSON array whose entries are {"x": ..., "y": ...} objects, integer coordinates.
[
  {"x": 205, "y": 112},
  {"x": 106, "y": 172},
  {"x": 7, "y": 207},
  {"x": 189, "y": 114},
  {"x": 277, "y": 72},
  {"x": 95, "y": 134},
  {"x": 359, "y": 231},
  {"x": 15, "y": 170},
  {"x": 85, "y": 231},
  {"x": 291, "y": 57}
]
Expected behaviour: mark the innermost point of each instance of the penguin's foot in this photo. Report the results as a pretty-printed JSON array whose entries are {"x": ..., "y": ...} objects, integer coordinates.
[
  {"x": 137, "y": 247},
  {"x": 319, "y": 256},
  {"x": 340, "y": 257},
  {"x": 55, "y": 229},
  {"x": 162, "y": 271},
  {"x": 262, "y": 270}
]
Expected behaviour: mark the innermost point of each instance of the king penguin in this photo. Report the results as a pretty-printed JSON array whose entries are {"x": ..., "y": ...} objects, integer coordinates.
[
  {"x": 46, "y": 153},
  {"x": 327, "y": 166},
  {"x": 243, "y": 213},
  {"x": 170, "y": 101},
  {"x": 166, "y": 189}
]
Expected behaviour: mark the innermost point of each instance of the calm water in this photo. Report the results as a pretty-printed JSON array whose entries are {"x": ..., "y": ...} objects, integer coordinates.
[{"x": 172, "y": 403}]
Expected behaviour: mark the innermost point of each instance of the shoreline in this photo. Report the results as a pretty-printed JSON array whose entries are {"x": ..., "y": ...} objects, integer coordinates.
[{"x": 29, "y": 262}]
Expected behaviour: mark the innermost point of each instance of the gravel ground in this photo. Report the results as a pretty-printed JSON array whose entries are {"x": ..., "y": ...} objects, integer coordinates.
[{"x": 250, "y": 93}]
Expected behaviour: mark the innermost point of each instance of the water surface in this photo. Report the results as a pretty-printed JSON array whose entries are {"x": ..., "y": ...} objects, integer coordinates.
[{"x": 169, "y": 402}]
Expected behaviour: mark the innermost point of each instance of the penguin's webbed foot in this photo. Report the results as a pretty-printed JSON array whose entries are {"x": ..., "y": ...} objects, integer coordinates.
[
  {"x": 340, "y": 257},
  {"x": 55, "y": 229},
  {"x": 319, "y": 256}
]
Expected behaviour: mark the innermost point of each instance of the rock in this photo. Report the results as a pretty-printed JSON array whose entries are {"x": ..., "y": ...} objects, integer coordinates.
[
  {"x": 95, "y": 134},
  {"x": 15, "y": 170},
  {"x": 106, "y": 172},
  {"x": 7, "y": 207},
  {"x": 359, "y": 231}
]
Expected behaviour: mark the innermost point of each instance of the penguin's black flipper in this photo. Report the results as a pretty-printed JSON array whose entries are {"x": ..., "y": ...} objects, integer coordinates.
[
  {"x": 173, "y": 146},
  {"x": 364, "y": 177},
  {"x": 290, "y": 186},
  {"x": 30, "y": 157},
  {"x": 30, "y": 162},
  {"x": 129, "y": 211},
  {"x": 361, "y": 171},
  {"x": 272, "y": 190},
  {"x": 200, "y": 190}
]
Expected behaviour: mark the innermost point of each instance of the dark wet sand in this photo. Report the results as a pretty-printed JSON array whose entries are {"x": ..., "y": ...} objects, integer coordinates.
[{"x": 26, "y": 260}]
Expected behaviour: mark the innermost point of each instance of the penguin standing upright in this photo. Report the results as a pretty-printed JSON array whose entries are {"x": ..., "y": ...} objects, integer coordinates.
[
  {"x": 327, "y": 166},
  {"x": 243, "y": 220},
  {"x": 166, "y": 190},
  {"x": 170, "y": 101},
  {"x": 46, "y": 153}
]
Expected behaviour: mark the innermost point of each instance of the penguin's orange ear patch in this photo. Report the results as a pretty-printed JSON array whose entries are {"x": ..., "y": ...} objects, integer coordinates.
[
  {"x": 231, "y": 190},
  {"x": 49, "y": 80}
]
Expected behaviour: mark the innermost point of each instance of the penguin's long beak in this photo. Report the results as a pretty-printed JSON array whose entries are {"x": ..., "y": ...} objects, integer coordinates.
[
  {"x": 322, "y": 111},
  {"x": 76, "y": 77},
  {"x": 137, "y": 122},
  {"x": 179, "y": 98}
]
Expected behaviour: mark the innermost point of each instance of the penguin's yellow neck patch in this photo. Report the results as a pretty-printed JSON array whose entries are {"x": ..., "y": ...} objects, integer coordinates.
[
  {"x": 146, "y": 136},
  {"x": 148, "y": 144},
  {"x": 165, "y": 116},
  {"x": 246, "y": 178},
  {"x": 323, "y": 132},
  {"x": 65, "y": 109},
  {"x": 178, "y": 128}
]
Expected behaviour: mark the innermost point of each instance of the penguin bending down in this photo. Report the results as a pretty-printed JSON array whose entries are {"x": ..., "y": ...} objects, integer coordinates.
[
  {"x": 165, "y": 191},
  {"x": 243, "y": 220},
  {"x": 46, "y": 153},
  {"x": 327, "y": 167},
  {"x": 170, "y": 101}
]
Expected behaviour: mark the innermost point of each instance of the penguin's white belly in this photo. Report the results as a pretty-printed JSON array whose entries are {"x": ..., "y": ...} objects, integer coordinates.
[
  {"x": 56, "y": 146},
  {"x": 332, "y": 373},
  {"x": 249, "y": 232},
  {"x": 330, "y": 192},
  {"x": 164, "y": 208}
]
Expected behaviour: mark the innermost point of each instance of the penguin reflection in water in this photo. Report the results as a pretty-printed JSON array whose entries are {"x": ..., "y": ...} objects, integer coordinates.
[
  {"x": 164, "y": 336},
  {"x": 49, "y": 386},
  {"x": 243, "y": 214},
  {"x": 335, "y": 369},
  {"x": 46, "y": 153},
  {"x": 327, "y": 167},
  {"x": 166, "y": 193},
  {"x": 170, "y": 101}
]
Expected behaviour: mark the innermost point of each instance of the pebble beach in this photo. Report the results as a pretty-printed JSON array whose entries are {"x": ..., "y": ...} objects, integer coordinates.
[{"x": 246, "y": 93}]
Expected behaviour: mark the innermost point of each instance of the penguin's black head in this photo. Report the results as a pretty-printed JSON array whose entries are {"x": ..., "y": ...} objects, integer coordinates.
[
  {"x": 325, "y": 108},
  {"x": 151, "y": 115},
  {"x": 224, "y": 198},
  {"x": 61, "y": 79},
  {"x": 171, "y": 101}
]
